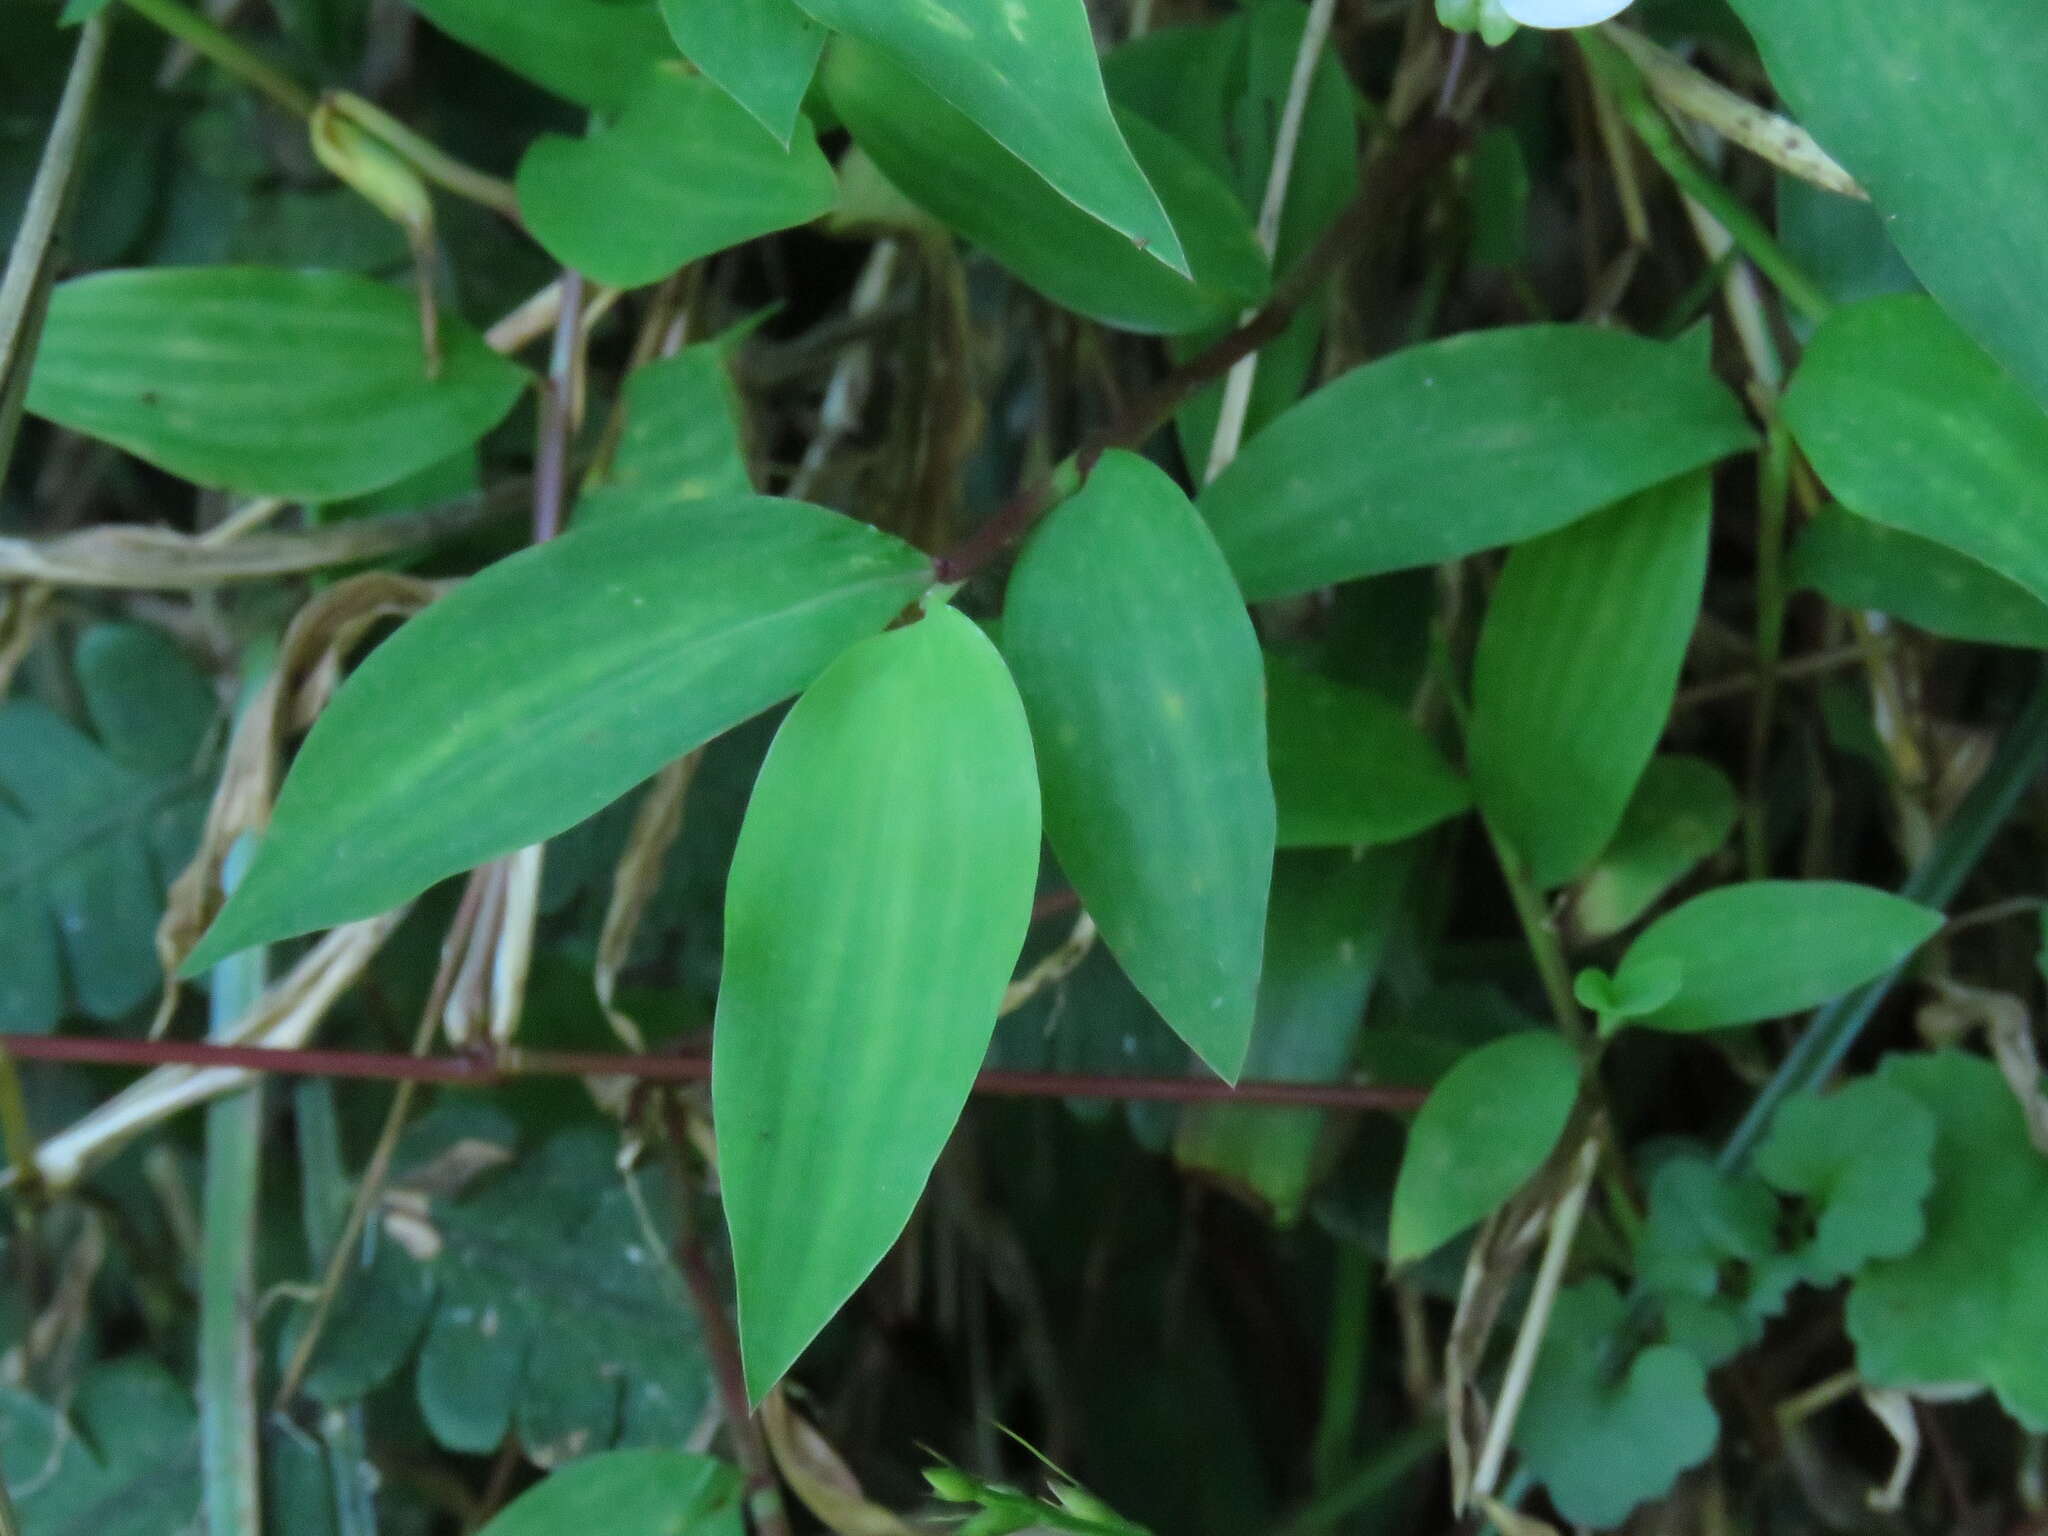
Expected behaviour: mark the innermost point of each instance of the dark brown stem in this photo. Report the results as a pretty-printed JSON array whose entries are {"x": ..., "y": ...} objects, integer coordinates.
[
  {"x": 695, "y": 1067},
  {"x": 557, "y": 410}
]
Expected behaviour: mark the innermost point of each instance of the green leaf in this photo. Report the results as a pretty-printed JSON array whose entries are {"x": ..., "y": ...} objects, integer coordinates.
[
  {"x": 1912, "y": 425},
  {"x": 127, "y": 1463},
  {"x": 1863, "y": 1157},
  {"x": 1682, "y": 811},
  {"x": 683, "y": 173},
  {"x": 1350, "y": 770},
  {"x": 1773, "y": 947},
  {"x": 1577, "y": 665},
  {"x": 1643, "y": 991},
  {"x": 1964, "y": 1307},
  {"x": 1026, "y": 73},
  {"x": 878, "y": 899},
  {"x": 1141, "y": 672},
  {"x": 594, "y": 52},
  {"x": 630, "y": 1493},
  {"x": 548, "y": 686},
  {"x": 1935, "y": 111},
  {"x": 92, "y": 832},
  {"x": 1327, "y": 928},
  {"x": 312, "y": 386},
  {"x": 936, "y": 156},
  {"x": 1856, "y": 563},
  {"x": 760, "y": 52},
  {"x": 1479, "y": 440},
  {"x": 1603, "y": 1428},
  {"x": 1479, "y": 1136},
  {"x": 682, "y": 439}
]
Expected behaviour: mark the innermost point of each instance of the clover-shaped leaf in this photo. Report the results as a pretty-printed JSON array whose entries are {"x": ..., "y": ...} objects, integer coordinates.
[
  {"x": 1603, "y": 1429},
  {"x": 1864, "y": 1156},
  {"x": 1965, "y": 1305},
  {"x": 1635, "y": 993},
  {"x": 1709, "y": 1253}
]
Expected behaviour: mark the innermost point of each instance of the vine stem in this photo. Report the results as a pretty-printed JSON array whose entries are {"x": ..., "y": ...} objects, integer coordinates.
[{"x": 217, "y": 45}]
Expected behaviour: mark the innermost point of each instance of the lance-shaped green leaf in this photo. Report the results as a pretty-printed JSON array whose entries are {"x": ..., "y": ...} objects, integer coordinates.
[
  {"x": 593, "y": 52},
  {"x": 1856, "y": 563},
  {"x": 1026, "y": 72},
  {"x": 936, "y": 156},
  {"x": 761, "y": 52},
  {"x": 1938, "y": 111},
  {"x": 1913, "y": 425},
  {"x": 879, "y": 896},
  {"x": 1964, "y": 1306},
  {"x": 684, "y": 172},
  {"x": 548, "y": 686},
  {"x": 1141, "y": 671},
  {"x": 1350, "y": 769},
  {"x": 1771, "y": 947},
  {"x": 308, "y": 385},
  {"x": 630, "y": 1493},
  {"x": 1577, "y": 665},
  {"x": 1481, "y": 1133},
  {"x": 1460, "y": 445},
  {"x": 1683, "y": 809}
]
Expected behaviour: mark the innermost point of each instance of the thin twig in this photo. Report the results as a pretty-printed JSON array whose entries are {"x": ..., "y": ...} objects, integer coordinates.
[{"x": 557, "y": 413}]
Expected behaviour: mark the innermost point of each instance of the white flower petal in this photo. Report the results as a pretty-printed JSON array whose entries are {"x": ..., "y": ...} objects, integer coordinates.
[{"x": 1563, "y": 13}]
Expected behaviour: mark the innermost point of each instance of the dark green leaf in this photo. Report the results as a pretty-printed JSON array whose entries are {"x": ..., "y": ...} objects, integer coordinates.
[
  {"x": 127, "y": 1463},
  {"x": 1912, "y": 425},
  {"x": 1456, "y": 446},
  {"x": 93, "y": 832},
  {"x": 1576, "y": 669},
  {"x": 1482, "y": 1132},
  {"x": 1935, "y": 110},
  {"x": 682, "y": 438},
  {"x": 1349, "y": 768},
  {"x": 548, "y": 686},
  {"x": 761, "y": 52},
  {"x": 1964, "y": 1307},
  {"x": 1863, "y": 1158},
  {"x": 306, "y": 385},
  {"x": 1604, "y": 1430},
  {"x": 1025, "y": 72},
  {"x": 683, "y": 173},
  {"x": 878, "y": 899},
  {"x": 630, "y": 1493},
  {"x": 595, "y": 52},
  {"x": 1856, "y": 563},
  {"x": 1140, "y": 669},
  {"x": 1772, "y": 947},
  {"x": 936, "y": 156},
  {"x": 1683, "y": 809}
]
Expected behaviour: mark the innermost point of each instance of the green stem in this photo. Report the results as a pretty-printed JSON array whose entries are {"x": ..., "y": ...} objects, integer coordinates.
[
  {"x": 1773, "y": 496},
  {"x": 1365, "y": 1484},
  {"x": 1544, "y": 946},
  {"x": 2022, "y": 758},
  {"x": 204, "y": 38},
  {"x": 1619, "y": 74},
  {"x": 428, "y": 158},
  {"x": 1345, "y": 1362}
]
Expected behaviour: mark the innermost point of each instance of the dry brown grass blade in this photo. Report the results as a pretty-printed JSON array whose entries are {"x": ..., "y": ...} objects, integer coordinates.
[{"x": 656, "y": 823}]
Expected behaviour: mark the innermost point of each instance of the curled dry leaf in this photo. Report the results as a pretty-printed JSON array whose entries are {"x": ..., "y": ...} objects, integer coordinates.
[{"x": 818, "y": 1476}]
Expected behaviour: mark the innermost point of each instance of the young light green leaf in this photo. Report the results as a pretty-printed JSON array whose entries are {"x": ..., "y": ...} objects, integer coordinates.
[
  {"x": 1479, "y": 440},
  {"x": 1950, "y": 448},
  {"x": 1964, "y": 1306},
  {"x": 1604, "y": 1431},
  {"x": 1577, "y": 665},
  {"x": 307, "y": 385},
  {"x": 935, "y": 155},
  {"x": 762, "y": 53},
  {"x": 1026, "y": 73},
  {"x": 593, "y": 52},
  {"x": 1934, "y": 110},
  {"x": 1856, "y": 563},
  {"x": 1616, "y": 1000},
  {"x": 1773, "y": 947},
  {"x": 1140, "y": 669},
  {"x": 878, "y": 900},
  {"x": 548, "y": 686},
  {"x": 1350, "y": 770},
  {"x": 630, "y": 1493},
  {"x": 1683, "y": 809},
  {"x": 1482, "y": 1132},
  {"x": 683, "y": 173},
  {"x": 1327, "y": 927},
  {"x": 682, "y": 438}
]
